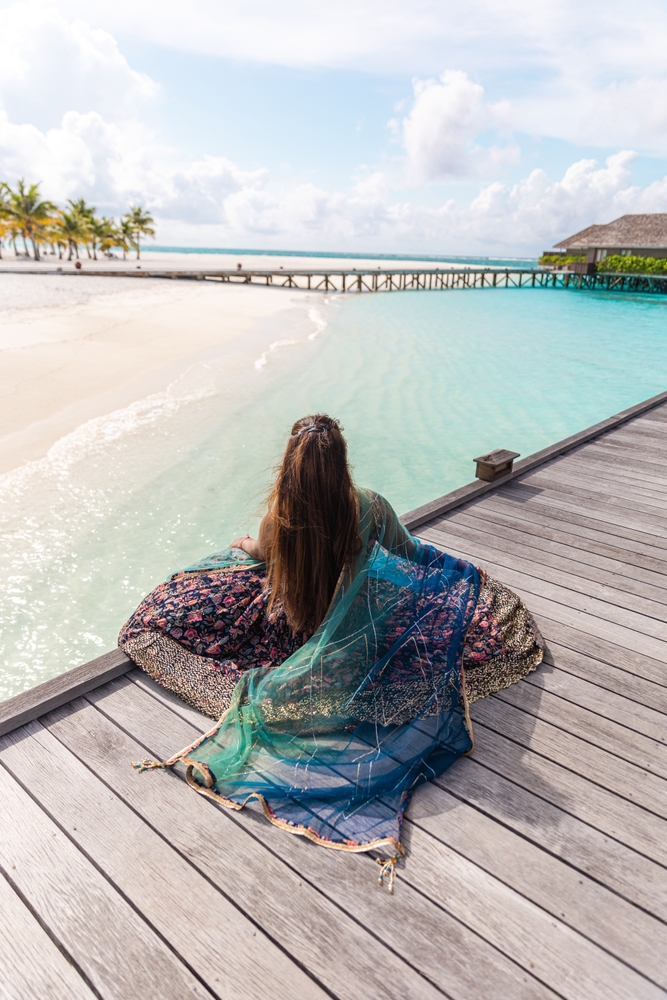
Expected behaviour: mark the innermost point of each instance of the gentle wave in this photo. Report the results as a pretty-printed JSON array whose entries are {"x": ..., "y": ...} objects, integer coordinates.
[
  {"x": 422, "y": 382},
  {"x": 96, "y": 434}
]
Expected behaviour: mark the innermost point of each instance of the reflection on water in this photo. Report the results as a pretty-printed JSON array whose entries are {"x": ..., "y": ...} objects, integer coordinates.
[{"x": 422, "y": 382}]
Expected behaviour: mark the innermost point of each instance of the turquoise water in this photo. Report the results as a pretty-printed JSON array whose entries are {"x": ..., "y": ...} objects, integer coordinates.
[
  {"x": 422, "y": 383},
  {"x": 513, "y": 262}
]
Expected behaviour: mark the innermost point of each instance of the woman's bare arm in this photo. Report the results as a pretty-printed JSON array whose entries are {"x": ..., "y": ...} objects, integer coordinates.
[{"x": 256, "y": 547}]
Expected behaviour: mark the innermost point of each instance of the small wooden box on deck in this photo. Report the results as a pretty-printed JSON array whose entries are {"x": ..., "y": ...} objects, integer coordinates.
[{"x": 495, "y": 465}]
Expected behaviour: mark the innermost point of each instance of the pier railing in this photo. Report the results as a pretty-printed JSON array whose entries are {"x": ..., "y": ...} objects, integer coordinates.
[{"x": 383, "y": 280}]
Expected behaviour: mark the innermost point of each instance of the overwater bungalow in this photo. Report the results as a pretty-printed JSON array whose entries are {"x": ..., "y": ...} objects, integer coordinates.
[{"x": 631, "y": 235}]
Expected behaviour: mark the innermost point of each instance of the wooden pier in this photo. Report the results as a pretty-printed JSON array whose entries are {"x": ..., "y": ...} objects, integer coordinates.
[
  {"x": 536, "y": 868},
  {"x": 378, "y": 280}
]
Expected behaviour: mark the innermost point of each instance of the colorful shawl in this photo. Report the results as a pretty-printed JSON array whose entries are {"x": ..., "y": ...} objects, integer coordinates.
[{"x": 334, "y": 740}]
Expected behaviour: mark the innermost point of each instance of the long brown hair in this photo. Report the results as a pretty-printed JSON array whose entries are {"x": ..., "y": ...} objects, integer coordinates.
[{"x": 314, "y": 521}]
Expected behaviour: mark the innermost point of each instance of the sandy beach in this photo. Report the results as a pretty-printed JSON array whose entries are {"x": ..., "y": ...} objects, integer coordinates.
[
  {"x": 72, "y": 352},
  {"x": 67, "y": 355},
  {"x": 223, "y": 261}
]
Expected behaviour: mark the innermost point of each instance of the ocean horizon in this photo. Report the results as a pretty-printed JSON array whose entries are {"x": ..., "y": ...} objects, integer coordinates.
[{"x": 522, "y": 262}]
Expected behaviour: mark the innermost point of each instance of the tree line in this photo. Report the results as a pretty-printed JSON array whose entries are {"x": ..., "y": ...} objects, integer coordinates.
[{"x": 40, "y": 226}]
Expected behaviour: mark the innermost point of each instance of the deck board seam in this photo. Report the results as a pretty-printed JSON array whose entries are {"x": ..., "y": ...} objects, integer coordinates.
[
  {"x": 48, "y": 930},
  {"x": 544, "y": 516},
  {"x": 599, "y": 684},
  {"x": 304, "y": 878},
  {"x": 530, "y": 749},
  {"x": 488, "y": 525},
  {"x": 557, "y": 857},
  {"x": 563, "y": 729},
  {"x": 532, "y": 902},
  {"x": 184, "y": 857},
  {"x": 566, "y": 812},
  {"x": 612, "y": 793},
  {"x": 567, "y": 575},
  {"x": 575, "y": 515},
  {"x": 509, "y": 885},
  {"x": 590, "y": 488},
  {"x": 592, "y": 614},
  {"x": 600, "y": 656},
  {"x": 94, "y": 864},
  {"x": 566, "y": 522},
  {"x": 531, "y": 680},
  {"x": 548, "y": 502},
  {"x": 526, "y": 538},
  {"x": 591, "y": 483},
  {"x": 414, "y": 886}
]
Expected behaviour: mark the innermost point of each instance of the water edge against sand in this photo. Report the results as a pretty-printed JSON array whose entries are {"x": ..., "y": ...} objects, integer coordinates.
[{"x": 422, "y": 382}]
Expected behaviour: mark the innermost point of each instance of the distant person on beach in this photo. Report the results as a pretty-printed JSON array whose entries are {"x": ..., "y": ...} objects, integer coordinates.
[{"x": 338, "y": 651}]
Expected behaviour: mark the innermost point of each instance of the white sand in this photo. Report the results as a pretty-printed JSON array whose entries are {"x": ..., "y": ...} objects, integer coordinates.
[
  {"x": 222, "y": 261},
  {"x": 71, "y": 351},
  {"x": 76, "y": 348}
]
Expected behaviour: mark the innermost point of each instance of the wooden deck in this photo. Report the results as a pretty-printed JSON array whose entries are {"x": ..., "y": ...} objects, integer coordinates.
[
  {"x": 379, "y": 279},
  {"x": 536, "y": 868}
]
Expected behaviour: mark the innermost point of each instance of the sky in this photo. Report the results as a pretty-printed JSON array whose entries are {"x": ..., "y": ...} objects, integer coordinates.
[{"x": 492, "y": 127}]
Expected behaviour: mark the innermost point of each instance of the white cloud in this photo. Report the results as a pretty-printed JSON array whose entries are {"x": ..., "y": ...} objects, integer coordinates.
[
  {"x": 211, "y": 201},
  {"x": 439, "y": 133},
  {"x": 523, "y": 218},
  {"x": 538, "y": 209},
  {"x": 112, "y": 164},
  {"x": 94, "y": 143},
  {"x": 581, "y": 72},
  {"x": 50, "y": 65}
]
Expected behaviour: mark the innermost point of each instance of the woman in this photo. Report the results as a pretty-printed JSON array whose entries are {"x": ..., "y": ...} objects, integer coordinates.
[{"x": 339, "y": 652}]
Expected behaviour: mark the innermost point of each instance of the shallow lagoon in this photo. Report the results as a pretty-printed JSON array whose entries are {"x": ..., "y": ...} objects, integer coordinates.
[{"x": 422, "y": 382}]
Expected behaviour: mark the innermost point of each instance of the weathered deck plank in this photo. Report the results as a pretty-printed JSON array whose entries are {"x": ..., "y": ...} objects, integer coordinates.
[
  {"x": 621, "y": 562},
  {"x": 615, "y": 707},
  {"x": 214, "y": 841},
  {"x": 583, "y": 532},
  {"x": 575, "y": 754},
  {"x": 609, "y": 677},
  {"x": 158, "y": 881},
  {"x": 598, "y": 617},
  {"x": 571, "y": 792},
  {"x": 609, "y": 863},
  {"x": 31, "y": 965},
  {"x": 311, "y": 872},
  {"x": 574, "y": 574},
  {"x": 420, "y": 872},
  {"x": 119, "y": 953}
]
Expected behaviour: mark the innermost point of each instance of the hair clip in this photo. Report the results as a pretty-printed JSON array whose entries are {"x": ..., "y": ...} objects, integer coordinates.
[{"x": 310, "y": 429}]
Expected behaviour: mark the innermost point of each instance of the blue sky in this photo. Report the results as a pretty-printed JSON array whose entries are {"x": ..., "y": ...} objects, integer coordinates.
[{"x": 498, "y": 126}]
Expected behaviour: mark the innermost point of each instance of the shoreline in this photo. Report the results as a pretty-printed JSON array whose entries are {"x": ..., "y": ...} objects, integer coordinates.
[
  {"x": 194, "y": 261},
  {"x": 66, "y": 363}
]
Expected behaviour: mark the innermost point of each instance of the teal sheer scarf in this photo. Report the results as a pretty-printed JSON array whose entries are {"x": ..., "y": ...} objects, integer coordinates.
[{"x": 334, "y": 740}]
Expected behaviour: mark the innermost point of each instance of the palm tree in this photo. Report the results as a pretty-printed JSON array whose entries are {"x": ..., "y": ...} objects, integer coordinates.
[
  {"x": 107, "y": 235},
  {"x": 4, "y": 231},
  {"x": 87, "y": 219},
  {"x": 70, "y": 229},
  {"x": 4, "y": 221},
  {"x": 125, "y": 235},
  {"x": 29, "y": 215},
  {"x": 141, "y": 224}
]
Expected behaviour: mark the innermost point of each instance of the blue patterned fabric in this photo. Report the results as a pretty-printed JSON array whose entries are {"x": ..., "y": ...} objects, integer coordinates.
[{"x": 334, "y": 740}]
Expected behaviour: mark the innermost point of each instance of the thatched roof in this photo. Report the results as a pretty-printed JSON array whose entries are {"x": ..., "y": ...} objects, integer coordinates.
[{"x": 630, "y": 231}]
